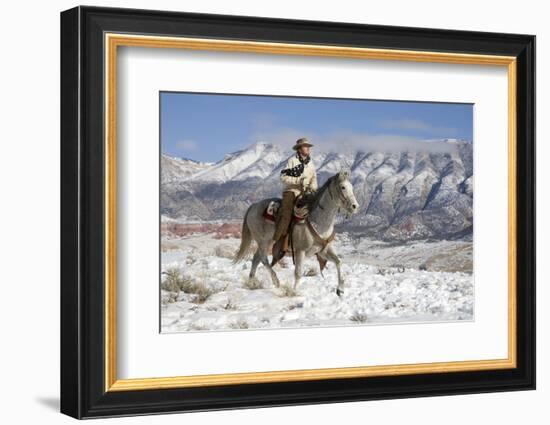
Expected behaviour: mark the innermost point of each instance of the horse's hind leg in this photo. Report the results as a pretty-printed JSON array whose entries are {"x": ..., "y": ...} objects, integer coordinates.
[
  {"x": 265, "y": 261},
  {"x": 255, "y": 262},
  {"x": 330, "y": 254}
]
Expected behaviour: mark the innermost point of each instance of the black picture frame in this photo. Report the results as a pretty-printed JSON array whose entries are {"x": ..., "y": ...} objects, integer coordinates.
[{"x": 82, "y": 219}]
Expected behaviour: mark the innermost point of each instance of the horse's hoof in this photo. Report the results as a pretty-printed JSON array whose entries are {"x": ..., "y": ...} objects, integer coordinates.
[{"x": 339, "y": 292}]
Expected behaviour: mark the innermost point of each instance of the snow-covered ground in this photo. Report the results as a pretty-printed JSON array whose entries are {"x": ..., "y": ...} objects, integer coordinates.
[{"x": 384, "y": 284}]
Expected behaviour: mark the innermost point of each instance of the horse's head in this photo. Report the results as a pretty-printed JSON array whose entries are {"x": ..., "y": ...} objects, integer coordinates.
[{"x": 344, "y": 192}]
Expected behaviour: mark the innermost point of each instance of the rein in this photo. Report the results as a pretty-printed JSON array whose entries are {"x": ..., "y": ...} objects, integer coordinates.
[
  {"x": 323, "y": 242},
  {"x": 317, "y": 236},
  {"x": 340, "y": 197}
]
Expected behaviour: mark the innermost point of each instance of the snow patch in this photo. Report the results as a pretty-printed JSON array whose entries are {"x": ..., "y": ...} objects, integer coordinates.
[{"x": 378, "y": 291}]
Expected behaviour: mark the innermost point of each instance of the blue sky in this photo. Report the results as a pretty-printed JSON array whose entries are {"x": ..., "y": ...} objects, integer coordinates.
[{"x": 205, "y": 127}]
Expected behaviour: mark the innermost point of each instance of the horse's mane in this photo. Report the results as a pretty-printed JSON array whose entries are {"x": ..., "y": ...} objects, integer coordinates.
[{"x": 316, "y": 198}]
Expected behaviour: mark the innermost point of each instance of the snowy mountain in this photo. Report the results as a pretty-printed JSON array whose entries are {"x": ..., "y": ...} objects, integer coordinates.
[
  {"x": 178, "y": 169},
  {"x": 413, "y": 194},
  {"x": 256, "y": 162}
]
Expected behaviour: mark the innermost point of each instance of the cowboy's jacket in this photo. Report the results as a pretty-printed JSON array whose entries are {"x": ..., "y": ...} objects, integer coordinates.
[{"x": 299, "y": 174}]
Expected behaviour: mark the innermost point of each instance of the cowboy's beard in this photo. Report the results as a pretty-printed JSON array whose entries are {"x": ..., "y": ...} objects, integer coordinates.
[{"x": 304, "y": 152}]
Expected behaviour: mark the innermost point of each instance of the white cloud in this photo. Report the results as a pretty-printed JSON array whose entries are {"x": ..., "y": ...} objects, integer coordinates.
[
  {"x": 343, "y": 141},
  {"x": 187, "y": 145},
  {"x": 264, "y": 120},
  {"x": 417, "y": 125},
  {"x": 284, "y": 137}
]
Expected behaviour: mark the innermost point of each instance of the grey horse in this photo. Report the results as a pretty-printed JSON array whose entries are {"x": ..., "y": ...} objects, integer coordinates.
[{"x": 307, "y": 239}]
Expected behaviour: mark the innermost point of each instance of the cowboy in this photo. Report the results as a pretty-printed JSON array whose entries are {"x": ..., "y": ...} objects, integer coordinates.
[{"x": 298, "y": 177}]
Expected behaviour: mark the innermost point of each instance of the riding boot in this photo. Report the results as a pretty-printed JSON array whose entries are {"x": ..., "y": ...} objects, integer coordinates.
[
  {"x": 277, "y": 251},
  {"x": 281, "y": 229}
]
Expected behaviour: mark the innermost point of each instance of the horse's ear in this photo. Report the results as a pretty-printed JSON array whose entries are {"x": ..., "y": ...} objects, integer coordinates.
[{"x": 343, "y": 175}]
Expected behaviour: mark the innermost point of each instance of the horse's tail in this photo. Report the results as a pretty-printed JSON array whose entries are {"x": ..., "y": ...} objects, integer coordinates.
[{"x": 246, "y": 239}]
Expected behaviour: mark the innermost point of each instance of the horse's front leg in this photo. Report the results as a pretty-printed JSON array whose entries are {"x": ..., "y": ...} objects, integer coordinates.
[
  {"x": 265, "y": 261},
  {"x": 299, "y": 257},
  {"x": 331, "y": 255}
]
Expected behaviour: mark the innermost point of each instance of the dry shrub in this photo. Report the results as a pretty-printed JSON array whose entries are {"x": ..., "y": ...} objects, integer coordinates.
[
  {"x": 287, "y": 291},
  {"x": 383, "y": 271},
  {"x": 224, "y": 251},
  {"x": 253, "y": 283},
  {"x": 198, "y": 327},
  {"x": 359, "y": 317},
  {"x": 240, "y": 324},
  {"x": 230, "y": 305},
  {"x": 175, "y": 282},
  {"x": 312, "y": 271},
  {"x": 295, "y": 306},
  {"x": 202, "y": 293},
  {"x": 169, "y": 297}
]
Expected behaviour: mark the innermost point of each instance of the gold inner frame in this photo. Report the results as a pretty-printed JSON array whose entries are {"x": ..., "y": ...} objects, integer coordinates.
[{"x": 113, "y": 41}]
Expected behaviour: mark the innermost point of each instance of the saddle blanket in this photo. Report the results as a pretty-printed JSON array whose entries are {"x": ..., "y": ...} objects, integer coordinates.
[
  {"x": 271, "y": 210},
  {"x": 270, "y": 213}
]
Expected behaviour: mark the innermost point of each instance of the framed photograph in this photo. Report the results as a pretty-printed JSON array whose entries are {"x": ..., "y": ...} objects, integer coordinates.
[{"x": 261, "y": 212}]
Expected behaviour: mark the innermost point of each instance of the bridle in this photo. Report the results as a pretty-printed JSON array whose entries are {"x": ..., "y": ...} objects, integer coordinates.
[
  {"x": 343, "y": 200},
  {"x": 323, "y": 242}
]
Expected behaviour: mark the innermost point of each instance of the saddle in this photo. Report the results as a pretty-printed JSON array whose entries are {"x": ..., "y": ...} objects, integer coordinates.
[{"x": 299, "y": 213}]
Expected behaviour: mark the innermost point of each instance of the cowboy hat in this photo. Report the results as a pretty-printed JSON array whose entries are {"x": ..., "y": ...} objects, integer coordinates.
[{"x": 301, "y": 142}]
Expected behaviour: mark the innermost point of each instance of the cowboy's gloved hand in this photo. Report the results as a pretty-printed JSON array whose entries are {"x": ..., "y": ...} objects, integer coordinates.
[{"x": 305, "y": 184}]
